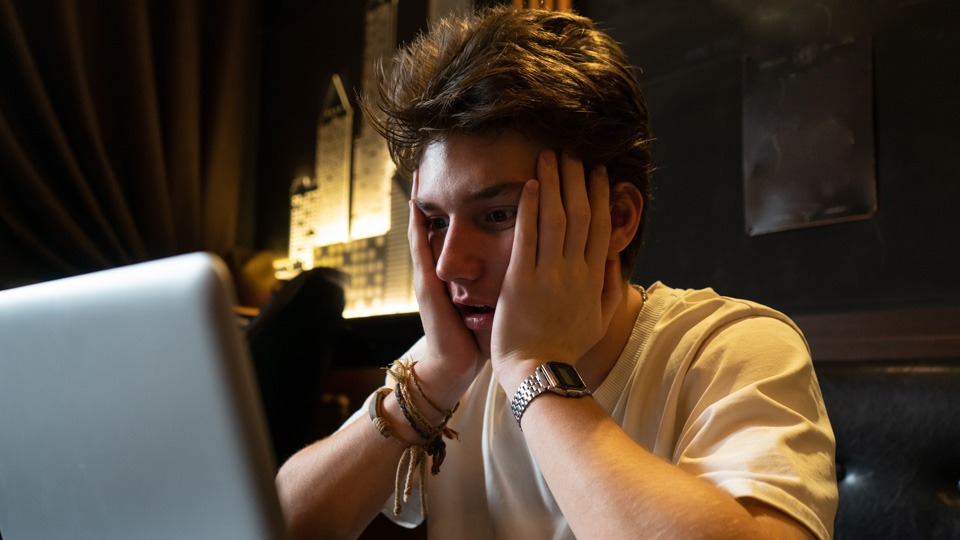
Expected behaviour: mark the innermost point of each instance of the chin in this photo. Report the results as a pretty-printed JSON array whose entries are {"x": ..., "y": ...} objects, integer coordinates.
[{"x": 483, "y": 342}]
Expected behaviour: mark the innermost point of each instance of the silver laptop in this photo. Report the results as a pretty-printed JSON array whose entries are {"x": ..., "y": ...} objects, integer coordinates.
[{"x": 128, "y": 409}]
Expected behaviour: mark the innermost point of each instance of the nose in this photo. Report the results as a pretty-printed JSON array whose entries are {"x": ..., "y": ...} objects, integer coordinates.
[{"x": 460, "y": 258}]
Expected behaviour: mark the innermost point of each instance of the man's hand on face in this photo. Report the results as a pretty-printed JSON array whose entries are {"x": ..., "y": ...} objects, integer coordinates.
[
  {"x": 550, "y": 305},
  {"x": 452, "y": 350}
]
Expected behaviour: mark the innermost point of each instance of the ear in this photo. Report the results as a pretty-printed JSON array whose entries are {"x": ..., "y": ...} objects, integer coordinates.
[{"x": 626, "y": 206}]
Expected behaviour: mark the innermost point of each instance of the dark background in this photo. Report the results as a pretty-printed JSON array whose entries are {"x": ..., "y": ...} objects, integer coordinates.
[
  {"x": 690, "y": 55},
  {"x": 691, "y": 58}
]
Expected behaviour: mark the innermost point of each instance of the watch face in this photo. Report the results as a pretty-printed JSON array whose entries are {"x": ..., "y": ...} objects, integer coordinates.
[{"x": 567, "y": 375}]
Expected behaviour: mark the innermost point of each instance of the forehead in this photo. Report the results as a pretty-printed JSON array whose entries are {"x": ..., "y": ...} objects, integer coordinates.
[{"x": 464, "y": 166}]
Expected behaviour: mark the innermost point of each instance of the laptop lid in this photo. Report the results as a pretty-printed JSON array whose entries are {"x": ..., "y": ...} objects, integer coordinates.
[{"x": 129, "y": 409}]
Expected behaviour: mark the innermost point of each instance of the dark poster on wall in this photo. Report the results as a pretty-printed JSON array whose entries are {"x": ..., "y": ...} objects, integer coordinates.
[{"x": 808, "y": 148}]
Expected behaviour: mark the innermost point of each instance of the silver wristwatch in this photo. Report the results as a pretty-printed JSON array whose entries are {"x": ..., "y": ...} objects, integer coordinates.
[{"x": 556, "y": 377}]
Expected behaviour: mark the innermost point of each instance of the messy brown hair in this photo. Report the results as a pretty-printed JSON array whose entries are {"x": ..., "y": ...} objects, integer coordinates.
[{"x": 551, "y": 76}]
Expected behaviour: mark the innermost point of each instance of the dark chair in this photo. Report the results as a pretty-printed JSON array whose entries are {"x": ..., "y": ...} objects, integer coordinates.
[
  {"x": 891, "y": 383},
  {"x": 898, "y": 447},
  {"x": 292, "y": 341}
]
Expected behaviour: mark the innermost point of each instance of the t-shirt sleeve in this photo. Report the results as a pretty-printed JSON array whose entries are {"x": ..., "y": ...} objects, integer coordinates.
[{"x": 754, "y": 423}]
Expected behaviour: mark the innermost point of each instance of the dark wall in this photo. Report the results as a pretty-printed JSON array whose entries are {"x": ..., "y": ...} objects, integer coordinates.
[{"x": 690, "y": 54}]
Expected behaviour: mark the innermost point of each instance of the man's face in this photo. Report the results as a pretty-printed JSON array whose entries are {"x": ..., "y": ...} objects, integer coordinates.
[{"x": 468, "y": 189}]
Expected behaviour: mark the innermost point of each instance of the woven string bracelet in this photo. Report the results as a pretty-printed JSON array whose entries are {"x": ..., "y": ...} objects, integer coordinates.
[
  {"x": 414, "y": 457},
  {"x": 435, "y": 445},
  {"x": 416, "y": 382},
  {"x": 414, "y": 417},
  {"x": 381, "y": 423}
]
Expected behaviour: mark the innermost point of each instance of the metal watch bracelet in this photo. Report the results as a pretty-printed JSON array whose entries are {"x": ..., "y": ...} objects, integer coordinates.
[
  {"x": 530, "y": 388},
  {"x": 534, "y": 385}
]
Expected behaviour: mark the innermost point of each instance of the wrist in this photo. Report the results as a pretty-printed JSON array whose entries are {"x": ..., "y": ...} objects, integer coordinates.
[
  {"x": 550, "y": 377},
  {"x": 420, "y": 432},
  {"x": 511, "y": 375},
  {"x": 444, "y": 386},
  {"x": 398, "y": 422}
]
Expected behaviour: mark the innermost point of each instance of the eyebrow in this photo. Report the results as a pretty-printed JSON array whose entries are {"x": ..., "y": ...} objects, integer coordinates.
[{"x": 481, "y": 194}]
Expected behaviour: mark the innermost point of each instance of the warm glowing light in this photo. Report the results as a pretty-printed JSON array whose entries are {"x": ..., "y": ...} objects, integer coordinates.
[
  {"x": 283, "y": 269},
  {"x": 385, "y": 309},
  {"x": 373, "y": 175},
  {"x": 352, "y": 216}
]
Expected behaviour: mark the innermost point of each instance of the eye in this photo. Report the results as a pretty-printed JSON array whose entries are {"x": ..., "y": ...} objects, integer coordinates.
[
  {"x": 501, "y": 219},
  {"x": 437, "y": 223}
]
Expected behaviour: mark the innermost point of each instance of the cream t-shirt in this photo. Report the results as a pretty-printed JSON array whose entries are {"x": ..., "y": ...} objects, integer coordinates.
[{"x": 722, "y": 388}]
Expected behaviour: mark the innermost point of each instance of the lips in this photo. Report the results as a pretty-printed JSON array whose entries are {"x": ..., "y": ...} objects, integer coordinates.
[{"x": 476, "y": 316}]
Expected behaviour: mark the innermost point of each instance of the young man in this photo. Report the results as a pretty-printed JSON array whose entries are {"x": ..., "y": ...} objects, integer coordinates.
[{"x": 526, "y": 136}]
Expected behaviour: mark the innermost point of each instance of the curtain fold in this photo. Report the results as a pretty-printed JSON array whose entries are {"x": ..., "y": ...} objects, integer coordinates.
[{"x": 122, "y": 128}]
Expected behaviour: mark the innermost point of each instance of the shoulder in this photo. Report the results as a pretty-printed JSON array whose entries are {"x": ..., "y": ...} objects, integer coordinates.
[
  {"x": 702, "y": 338},
  {"x": 698, "y": 306},
  {"x": 692, "y": 317}
]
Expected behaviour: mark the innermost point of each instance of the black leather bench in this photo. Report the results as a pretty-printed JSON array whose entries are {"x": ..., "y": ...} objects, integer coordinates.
[
  {"x": 897, "y": 425},
  {"x": 891, "y": 384}
]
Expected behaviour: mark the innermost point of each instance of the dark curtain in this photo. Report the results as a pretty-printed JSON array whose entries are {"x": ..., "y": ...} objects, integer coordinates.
[{"x": 122, "y": 129}]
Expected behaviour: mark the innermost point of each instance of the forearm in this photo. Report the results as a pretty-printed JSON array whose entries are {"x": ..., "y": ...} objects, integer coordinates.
[
  {"x": 335, "y": 487},
  {"x": 607, "y": 486}
]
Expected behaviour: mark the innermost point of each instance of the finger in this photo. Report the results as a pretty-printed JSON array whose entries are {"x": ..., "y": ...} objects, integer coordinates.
[
  {"x": 415, "y": 225},
  {"x": 416, "y": 234},
  {"x": 432, "y": 297},
  {"x": 420, "y": 249},
  {"x": 551, "y": 219},
  {"x": 524, "y": 252},
  {"x": 598, "y": 240},
  {"x": 414, "y": 218},
  {"x": 576, "y": 207}
]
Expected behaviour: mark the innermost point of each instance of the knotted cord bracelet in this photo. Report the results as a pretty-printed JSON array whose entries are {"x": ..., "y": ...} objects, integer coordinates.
[
  {"x": 447, "y": 414},
  {"x": 435, "y": 446},
  {"x": 402, "y": 374},
  {"x": 415, "y": 422},
  {"x": 381, "y": 423},
  {"x": 414, "y": 457}
]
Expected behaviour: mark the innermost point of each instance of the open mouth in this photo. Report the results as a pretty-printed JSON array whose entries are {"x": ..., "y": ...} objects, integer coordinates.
[
  {"x": 475, "y": 310},
  {"x": 476, "y": 317}
]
